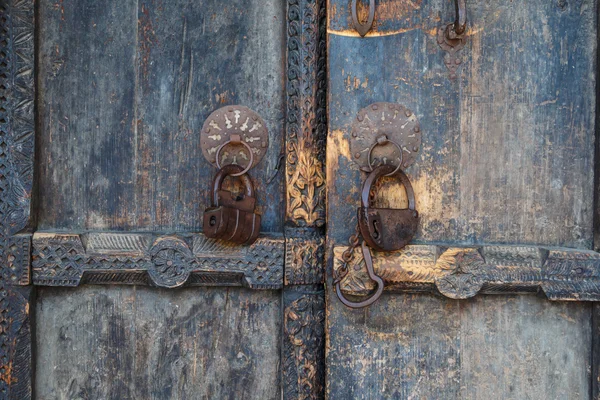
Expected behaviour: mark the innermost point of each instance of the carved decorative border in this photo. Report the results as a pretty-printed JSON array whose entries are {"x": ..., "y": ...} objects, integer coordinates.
[
  {"x": 306, "y": 112},
  {"x": 463, "y": 272},
  {"x": 304, "y": 299},
  {"x": 164, "y": 261},
  {"x": 16, "y": 178},
  {"x": 304, "y": 342},
  {"x": 304, "y": 256}
]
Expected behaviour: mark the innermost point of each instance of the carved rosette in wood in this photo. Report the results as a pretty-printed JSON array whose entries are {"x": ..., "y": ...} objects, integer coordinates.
[
  {"x": 463, "y": 272},
  {"x": 16, "y": 178}
]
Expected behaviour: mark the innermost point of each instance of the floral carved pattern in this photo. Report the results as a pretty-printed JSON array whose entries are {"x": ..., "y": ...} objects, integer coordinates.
[
  {"x": 461, "y": 266},
  {"x": 306, "y": 125},
  {"x": 171, "y": 262},
  {"x": 304, "y": 320}
]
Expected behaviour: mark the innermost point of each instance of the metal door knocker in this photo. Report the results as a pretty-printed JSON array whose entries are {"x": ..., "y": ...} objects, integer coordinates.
[
  {"x": 394, "y": 131},
  {"x": 234, "y": 139}
]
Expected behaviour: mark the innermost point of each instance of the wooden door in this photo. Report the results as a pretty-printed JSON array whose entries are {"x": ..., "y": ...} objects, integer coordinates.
[
  {"x": 491, "y": 299},
  {"x": 109, "y": 288}
]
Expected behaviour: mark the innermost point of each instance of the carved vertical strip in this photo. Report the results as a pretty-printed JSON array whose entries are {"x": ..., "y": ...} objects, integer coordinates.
[
  {"x": 16, "y": 178},
  {"x": 306, "y": 130},
  {"x": 306, "y": 113},
  {"x": 304, "y": 342}
]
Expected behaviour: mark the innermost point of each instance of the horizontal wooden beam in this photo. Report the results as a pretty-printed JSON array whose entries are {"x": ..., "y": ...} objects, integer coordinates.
[
  {"x": 463, "y": 272},
  {"x": 66, "y": 259}
]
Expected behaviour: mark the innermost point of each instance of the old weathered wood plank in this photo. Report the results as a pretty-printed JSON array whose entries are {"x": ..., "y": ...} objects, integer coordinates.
[
  {"x": 506, "y": 158},
  {"x": 193, "y": 58},
  {"x": 140, "y": 343},
  {"x": 87, "y": 81},
  {"x": 420, "y": 346},
  {"x": 507, "y": 148},
  {"x": 125, "y": 89}
]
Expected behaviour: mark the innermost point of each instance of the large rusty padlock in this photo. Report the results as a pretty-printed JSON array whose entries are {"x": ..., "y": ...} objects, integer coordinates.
[
  {"x": 230, "y": 217},
  {"x": 387, "y": 229}
]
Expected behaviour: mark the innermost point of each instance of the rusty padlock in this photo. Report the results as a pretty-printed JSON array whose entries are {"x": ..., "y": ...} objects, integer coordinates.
[
  {"x": 387, "y": 229},
  {"x": 231, "y": 218}
]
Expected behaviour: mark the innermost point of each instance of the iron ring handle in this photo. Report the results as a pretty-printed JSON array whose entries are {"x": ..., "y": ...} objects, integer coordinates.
[
  {"x": 382, "y": 140},
  {"x": 375, "y": 296},
  {"x": 366, "y": 27},
  {"x": 383, "y": 170},
  {"x": 230, "y": 170},
  {"x": 236, "y": 142}
]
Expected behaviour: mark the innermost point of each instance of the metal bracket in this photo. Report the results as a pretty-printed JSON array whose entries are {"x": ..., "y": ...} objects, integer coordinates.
[
  {"x": 237, "y": 135},
  {"x": 380, "y": 131},
  {"x": 451, "y": 38},
  {"x": 363, "y": 29}
]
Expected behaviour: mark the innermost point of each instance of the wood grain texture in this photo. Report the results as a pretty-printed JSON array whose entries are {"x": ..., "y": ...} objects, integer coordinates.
[
  {"x": 507, "y": 152},
  {"x": 137, "y": 343},
  {"x": 125, "y": 88},
  {"x": 420, "y": 346}
]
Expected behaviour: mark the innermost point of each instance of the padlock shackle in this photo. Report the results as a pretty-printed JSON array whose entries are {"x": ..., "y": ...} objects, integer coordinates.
[
  {"x": 230, "y": 170},
  {"x": 383, "y": 170}
]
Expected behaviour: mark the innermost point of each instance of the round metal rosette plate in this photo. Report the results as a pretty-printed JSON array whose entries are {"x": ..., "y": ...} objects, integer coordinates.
[
  {"x": 383, "y": 129},
  {"x": 238, "y": 121}
]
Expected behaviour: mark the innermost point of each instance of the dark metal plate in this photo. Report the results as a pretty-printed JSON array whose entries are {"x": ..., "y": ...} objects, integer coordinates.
[
  {"x": 234, "y": 120},
  {"x": 395, "y": 121}
]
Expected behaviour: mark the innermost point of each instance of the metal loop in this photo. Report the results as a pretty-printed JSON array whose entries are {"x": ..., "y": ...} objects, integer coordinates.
[
  {"x": 382, "y": 141},
  {"x": 230, "y": 170},
  {"x": 375, "y": 296},
  {"x": 235, "y": 142},
  {"x": 378, "y": 173},
  {"x": 366, "y": 27}
]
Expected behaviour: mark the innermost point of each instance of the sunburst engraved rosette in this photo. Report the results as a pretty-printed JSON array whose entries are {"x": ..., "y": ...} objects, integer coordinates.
[
  {"x": 226, "y": 125},
  {"x": 390, "y": 121}
]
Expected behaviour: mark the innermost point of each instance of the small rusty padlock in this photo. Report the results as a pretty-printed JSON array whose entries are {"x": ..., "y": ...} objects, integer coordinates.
[
  {"x": 387, "y": 229},
  {"x": 231, "y": 218}
]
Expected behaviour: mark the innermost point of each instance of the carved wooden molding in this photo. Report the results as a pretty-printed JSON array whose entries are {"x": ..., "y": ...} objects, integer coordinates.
[
  {"x": 16, "y": 178},
  {"x": 63, "y": 259},
  {"x": 463, "y": 272},
  {"x": 304, "y": 256},
  {"x": 304, "y": 342},
  {"x": 306, "y": 112}
]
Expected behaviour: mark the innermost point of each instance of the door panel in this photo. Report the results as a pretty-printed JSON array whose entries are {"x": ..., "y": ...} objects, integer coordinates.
[
  {"x": 140, "y": 343},
  {"x": 420, "y": 346},
  {"x": 126, "y": 87},
  {"x": 507, "y": 156}
]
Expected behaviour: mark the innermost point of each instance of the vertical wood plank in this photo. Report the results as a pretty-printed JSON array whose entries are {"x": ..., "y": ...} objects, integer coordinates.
[{"x": 193, "y": 58}]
